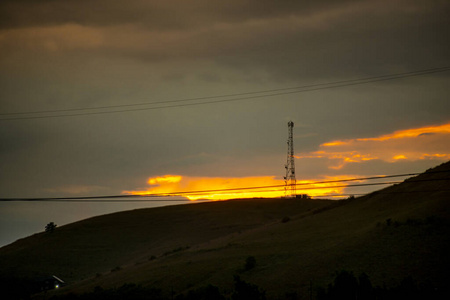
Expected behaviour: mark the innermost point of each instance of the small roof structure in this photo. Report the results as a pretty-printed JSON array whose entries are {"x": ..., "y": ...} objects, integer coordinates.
[{"x": 51, "y": 282}]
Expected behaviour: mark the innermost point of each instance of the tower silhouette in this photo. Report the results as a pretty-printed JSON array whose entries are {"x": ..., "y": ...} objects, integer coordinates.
[{"x": 289, "y": 179}]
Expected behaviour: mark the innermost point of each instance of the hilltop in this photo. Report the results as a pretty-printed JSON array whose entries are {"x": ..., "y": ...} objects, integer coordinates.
[{"x": 296, "y": 244}]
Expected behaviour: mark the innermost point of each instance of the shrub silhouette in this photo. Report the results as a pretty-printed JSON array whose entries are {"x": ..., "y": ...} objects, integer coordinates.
[
  {"x": 246, "y": 291},
  {"x": 50, "y": 227},
  {"x": 210, "y": 292},
  {"x": 250, "y": 263},
  {"x": 285, "y": 219},
  {"x": 365, "y": 289},
  {"x": 346, "y": 286}
]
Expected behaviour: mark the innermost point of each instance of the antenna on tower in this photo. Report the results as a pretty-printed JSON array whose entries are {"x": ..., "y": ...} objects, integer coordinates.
[{"x": 289, "y": 179}]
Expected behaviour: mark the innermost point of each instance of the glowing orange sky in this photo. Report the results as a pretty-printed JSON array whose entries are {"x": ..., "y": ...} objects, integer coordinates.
[
  {"x": 169, "y": 184},
  {"x": 410, "y": 144}
]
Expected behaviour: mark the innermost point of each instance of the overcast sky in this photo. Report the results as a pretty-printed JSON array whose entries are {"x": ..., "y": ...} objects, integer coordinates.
[{"x": 61, "y": 56}]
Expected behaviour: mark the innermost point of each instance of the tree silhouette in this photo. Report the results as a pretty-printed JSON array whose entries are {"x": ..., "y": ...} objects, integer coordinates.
[
  {"x": 246, "y": 291},
  {"x": 50, "y": 227},
  {"x": 209, "y": 292},
  {"x": 365, "y": 289},
  {"x": 345, "y": 286}
]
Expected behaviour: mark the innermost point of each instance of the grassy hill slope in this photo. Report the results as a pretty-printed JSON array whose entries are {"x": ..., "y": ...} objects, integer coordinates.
[
  {"x": 400, "y": 231},
  {"x": 391, "y": 234},
  {"x": 97, "y": 245}
]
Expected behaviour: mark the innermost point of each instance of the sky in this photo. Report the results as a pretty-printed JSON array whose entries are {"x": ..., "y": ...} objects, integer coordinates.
[{"x": 122, "y": 97}]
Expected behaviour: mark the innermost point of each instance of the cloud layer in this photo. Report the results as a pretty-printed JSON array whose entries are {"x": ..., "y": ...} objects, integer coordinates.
[
  {"x": 219, "y": 188},
  {"x": 69, "y": 55},
  {"x": 81, "y": 54},
  {"x": 284, "y": 39},
  {"x": 423, "y": 143}
]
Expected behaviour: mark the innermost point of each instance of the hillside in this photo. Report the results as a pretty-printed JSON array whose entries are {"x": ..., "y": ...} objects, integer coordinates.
[
  {"x": 400, "y": 231},
  {"x": 97, "y": 245}
]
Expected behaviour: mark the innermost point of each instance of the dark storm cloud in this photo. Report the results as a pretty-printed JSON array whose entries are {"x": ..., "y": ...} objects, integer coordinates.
[
  {"x": 286, "y": 39},
  {"x": 71, "y": 54},
  {"x": 154, "y": 14}
]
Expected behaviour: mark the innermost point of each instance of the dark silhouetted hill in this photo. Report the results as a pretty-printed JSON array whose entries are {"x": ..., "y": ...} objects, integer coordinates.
[{"x": 293, "y": 244}]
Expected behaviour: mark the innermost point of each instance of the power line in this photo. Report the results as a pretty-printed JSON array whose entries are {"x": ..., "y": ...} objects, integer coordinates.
[
  {"x": 235, "y": 97},
  {"x": 94, "y": 199},
  {"x": 129, "y": 198},
  {"x": 297, "y": 184},
  {"x": 406, "y": 74},
  {"x": 383, "y": 192},
  {"x": 324, "y": 187}
]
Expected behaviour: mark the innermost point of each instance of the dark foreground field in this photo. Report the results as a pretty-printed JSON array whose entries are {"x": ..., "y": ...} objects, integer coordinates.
[{"x": 282, "y": 248}]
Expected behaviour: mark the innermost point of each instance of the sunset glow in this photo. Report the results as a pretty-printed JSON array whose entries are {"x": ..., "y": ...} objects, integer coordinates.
[
  {"x": 430, "y": 142},
  {"x": 104, "y": 101},
  {"x": 400, "y": 156},
  {"x": 221, "y": 188},
  {"x": 164, "y": 179},
  {"x": 400, "y": 134}
]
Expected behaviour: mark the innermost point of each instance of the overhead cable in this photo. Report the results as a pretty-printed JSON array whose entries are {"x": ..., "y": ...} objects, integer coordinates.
[
  {"x": 303, "y": 186},
  {"x": 57, "y": 113}
]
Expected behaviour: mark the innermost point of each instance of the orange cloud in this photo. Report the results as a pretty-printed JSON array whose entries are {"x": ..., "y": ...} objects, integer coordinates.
[
  {"x": 400, "y": 134},
  {"x": 221, "y": 188},
  {"x": 430, "y": 142},
  {"x": 400, "y": 156},
  {"x": 165, "y": 179}
]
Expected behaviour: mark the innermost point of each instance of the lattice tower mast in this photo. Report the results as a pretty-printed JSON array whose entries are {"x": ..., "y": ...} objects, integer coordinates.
[{"x": 290, "y": 181}]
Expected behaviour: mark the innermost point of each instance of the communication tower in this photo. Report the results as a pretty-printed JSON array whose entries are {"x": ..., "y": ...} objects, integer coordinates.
[{"x": 289, "y": 179}]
